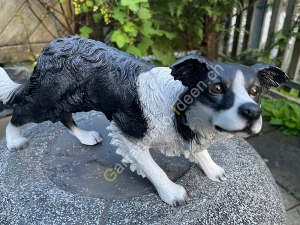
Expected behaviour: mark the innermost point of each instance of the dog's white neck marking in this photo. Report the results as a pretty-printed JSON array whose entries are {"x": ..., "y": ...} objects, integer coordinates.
[{"x": 158, "y": 92}]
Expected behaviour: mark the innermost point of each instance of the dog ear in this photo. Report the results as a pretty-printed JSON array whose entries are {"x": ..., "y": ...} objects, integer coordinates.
[
  {"x": 269, "y": 75},
  {"x": 191, "y": 69}
]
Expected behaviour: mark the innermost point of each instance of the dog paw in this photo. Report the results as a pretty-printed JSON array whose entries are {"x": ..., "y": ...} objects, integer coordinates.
[
  {"x": 89, "y": 137},
  {"x": 216, "y": 173},
  {"x": 174, "y": 194},
  {"x": 17, "y": 143}
]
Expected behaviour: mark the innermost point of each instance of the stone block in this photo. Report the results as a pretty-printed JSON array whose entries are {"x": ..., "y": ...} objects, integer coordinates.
[{"x": 43, "y": 184}]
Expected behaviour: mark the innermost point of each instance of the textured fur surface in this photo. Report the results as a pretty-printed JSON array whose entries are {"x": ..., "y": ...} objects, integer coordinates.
[
  {"x": 178, "y": 110},
  {"x": 83, "y": 74}
]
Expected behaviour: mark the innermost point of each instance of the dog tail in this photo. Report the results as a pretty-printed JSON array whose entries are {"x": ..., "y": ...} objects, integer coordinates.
[{"x": 7, "y": 87}]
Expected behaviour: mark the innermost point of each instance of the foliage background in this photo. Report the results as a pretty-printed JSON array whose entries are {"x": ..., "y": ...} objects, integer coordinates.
[
  {"x": 161, "y": 27},
  {"x": 154, "y": 27}
]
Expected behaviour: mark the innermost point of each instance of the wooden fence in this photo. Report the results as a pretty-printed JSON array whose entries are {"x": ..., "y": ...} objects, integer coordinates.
[{"x": 26, "y": 26}]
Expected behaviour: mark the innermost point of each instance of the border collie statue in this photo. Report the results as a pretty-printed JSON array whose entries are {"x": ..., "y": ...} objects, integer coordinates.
[{"x": 181, "y": 109}]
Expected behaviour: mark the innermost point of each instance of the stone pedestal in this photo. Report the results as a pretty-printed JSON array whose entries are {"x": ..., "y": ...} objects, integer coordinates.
[{"x": 56, "y": 180}]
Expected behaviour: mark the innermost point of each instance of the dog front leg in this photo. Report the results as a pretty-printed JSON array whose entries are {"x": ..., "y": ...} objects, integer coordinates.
[
  {"x": 143, "y": 162},
  {"x": 210, "y": 168}
]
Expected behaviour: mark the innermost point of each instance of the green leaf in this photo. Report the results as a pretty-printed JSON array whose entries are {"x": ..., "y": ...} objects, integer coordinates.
[
  {"x": 120, "y": 38},
  {"x": 166, "y": 59},
  {"x": 144, "y": 45},
  {"x": 126, "y": 2},
  {"x": 131, "y": 29},
  {"x": 290, "y": 124},
  {"x": 282, "y": 113},
  {"x": 180, "y": 26},
  {"x": 208, "y": 9},
  {"x": 144, "y": 14},
  {"x": 295, "y": 117},
  {"x": 276, "y": 121},
  {"x": 296, "y": 108},
  {"x": 89, "y": 3},
  {"x": 147, "y": 30},
  {"x": 268, "y": 107},
  {"x": 84, "y": 8},
  {"x": 85, "y": 31},
  {"x": 288, "y": 111},
  {"x": 97, "y": 17},
  {"x": 280, "y": 104},
  {"x": 119, "y": 15},
  {"x": 281, "y": 36},
  {"x": 133, "y": 5},
  {"x": 133, "y": 50},
  {"x": 218, "y": 28},
  {"x": 275, "y": 112},
  {"x": 61, "y": 1},
  {"x": 290, "y": 131},
  {"x": 169, "y": 35},
  {"x": 266, "y": 114},
  {"x": 129, "y": 2},
  {"x": 179, "y": 10}
]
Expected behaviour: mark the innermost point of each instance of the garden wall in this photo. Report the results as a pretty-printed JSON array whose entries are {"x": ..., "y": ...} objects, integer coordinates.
[{"x": 28, "y": 25}]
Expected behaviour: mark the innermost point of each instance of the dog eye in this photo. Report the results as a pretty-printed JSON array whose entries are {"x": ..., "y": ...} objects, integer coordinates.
[
  {"x": 254, "y": 91},
  {"x": 216, "y": 89}
]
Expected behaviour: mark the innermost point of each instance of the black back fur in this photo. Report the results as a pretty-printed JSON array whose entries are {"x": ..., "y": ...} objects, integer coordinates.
[{"x": 75, "y": 74}]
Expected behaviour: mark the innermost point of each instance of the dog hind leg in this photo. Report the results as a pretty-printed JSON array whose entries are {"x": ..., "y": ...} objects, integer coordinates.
[
  {"x": 210, "y": 168},
  {"x": 14, "y": 139},
  {"x": 85, "y": 137}
]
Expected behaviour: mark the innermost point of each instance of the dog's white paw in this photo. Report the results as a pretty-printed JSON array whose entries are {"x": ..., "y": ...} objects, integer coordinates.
[
  {"x": 210, "y": 168},
  {"x": 215, "y": 172},
  {"x": 88, "y": 137},
  {"x": 173, "y": 194},
  {"x": 17, "y": 143}
]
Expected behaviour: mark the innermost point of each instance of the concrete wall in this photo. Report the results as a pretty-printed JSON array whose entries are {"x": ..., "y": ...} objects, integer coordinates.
[{"x": 26, "y": 26}]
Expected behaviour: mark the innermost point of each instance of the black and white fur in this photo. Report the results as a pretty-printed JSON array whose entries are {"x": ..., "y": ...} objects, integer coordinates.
[{"x": 147, "y": 105}]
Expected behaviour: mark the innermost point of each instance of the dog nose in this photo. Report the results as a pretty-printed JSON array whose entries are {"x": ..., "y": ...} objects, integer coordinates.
[{"x": 249, "y": 111}]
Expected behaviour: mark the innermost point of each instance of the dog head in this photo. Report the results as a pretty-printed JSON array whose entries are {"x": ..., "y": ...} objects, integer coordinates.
[{"x": 223, "y": 97}]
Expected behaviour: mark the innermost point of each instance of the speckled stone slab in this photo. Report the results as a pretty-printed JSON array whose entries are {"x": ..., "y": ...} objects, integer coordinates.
[{"x": 37, "y": 184}]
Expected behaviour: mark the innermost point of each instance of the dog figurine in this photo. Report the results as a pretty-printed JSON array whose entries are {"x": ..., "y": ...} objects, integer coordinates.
[{"x": 178, "y": 110}]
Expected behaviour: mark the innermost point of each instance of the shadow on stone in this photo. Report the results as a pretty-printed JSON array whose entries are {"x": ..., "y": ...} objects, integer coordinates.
[{"x": 97, "y": 171}]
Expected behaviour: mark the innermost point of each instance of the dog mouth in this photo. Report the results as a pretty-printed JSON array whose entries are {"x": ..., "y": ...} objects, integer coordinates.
[{"x": 247, "y": 130}]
